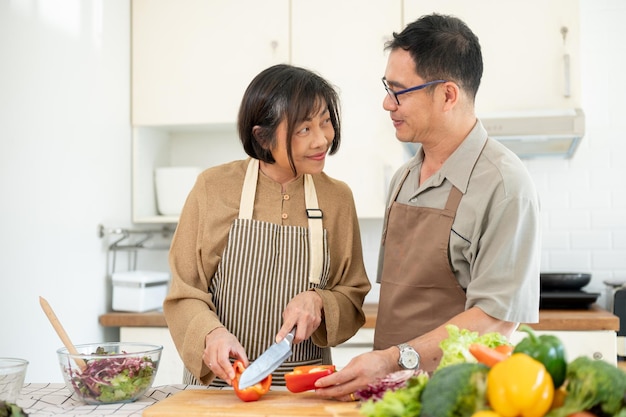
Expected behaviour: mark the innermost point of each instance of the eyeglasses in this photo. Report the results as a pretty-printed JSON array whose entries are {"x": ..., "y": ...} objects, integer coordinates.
[{"x": 394, "y": 94}]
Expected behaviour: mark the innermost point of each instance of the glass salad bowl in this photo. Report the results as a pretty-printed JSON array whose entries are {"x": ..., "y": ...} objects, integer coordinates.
[{"x": 110, "y": 372}]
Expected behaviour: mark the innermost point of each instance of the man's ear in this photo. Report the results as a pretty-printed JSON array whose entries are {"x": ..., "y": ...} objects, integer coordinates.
[{"x": 452, "y": 95}]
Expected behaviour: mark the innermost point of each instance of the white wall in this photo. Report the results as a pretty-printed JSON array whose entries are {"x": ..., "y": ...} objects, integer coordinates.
[{"x": 65, "y": 167}]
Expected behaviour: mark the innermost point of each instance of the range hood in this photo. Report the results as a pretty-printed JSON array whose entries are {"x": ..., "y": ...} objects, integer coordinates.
[{"x": 537, "y": 134}]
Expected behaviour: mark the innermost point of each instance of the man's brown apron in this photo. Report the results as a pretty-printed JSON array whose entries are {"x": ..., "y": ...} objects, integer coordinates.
[
  {"x": 264, "y": 265},
  {"x": 418, "y": 290}
]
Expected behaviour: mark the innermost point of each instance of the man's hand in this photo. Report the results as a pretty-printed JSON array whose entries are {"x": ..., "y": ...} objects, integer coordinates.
[{"x": 361, "y": 371}]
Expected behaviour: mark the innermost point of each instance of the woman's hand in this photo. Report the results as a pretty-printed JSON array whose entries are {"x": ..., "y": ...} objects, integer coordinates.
[
  {"x": 220, "y": 346},
  {"x": 305, "y": 311}
]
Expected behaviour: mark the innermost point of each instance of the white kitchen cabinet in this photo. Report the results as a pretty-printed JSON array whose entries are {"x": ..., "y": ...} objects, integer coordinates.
[
  {"x": 361, "y": 342},
  {"x": 523, "y": 49},
  {"x": 192, "y": 59},
  {"x": 349, "y": 53},
  {"x": 171, "y": 366},
  {"x": 595, "y": 344}
]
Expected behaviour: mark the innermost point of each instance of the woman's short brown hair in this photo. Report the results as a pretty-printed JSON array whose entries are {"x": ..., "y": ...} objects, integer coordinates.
[{"x": 283, "y": 92}]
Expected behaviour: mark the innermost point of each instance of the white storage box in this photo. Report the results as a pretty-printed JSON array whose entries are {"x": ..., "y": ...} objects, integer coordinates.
[{"x": 139, "y": 291}]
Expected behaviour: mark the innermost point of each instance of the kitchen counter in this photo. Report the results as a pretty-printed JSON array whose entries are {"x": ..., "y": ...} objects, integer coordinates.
[
  {"x": 594, "y": 318},
  {"x": 45, "y": 400}
]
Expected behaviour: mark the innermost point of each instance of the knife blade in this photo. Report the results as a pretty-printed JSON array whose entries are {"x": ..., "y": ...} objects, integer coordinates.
[{"x": 267, "y": 363}]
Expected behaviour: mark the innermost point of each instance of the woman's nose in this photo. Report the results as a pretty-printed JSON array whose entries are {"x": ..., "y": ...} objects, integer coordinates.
[{"x": 321, "y": 139}]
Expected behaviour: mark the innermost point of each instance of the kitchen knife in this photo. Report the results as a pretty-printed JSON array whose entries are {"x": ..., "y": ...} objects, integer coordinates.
[{"x": 267, "y": 362}]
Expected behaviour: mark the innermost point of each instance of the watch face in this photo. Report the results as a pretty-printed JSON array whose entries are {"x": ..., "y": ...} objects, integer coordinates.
[{"x": 410, "y": 360}]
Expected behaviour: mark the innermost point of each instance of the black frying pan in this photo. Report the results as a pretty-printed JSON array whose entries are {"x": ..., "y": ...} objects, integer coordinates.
[{"x": 563, "y": 280}]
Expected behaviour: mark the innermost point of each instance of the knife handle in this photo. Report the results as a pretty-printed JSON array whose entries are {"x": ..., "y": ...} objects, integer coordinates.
[{"x": 290, "y": 335}]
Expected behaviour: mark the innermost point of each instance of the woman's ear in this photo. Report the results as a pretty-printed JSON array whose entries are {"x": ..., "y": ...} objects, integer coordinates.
[{"x": 260, "y": 134}]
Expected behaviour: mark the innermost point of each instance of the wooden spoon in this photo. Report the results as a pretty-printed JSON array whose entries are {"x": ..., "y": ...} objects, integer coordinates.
[{"x": 61, "y": 332}]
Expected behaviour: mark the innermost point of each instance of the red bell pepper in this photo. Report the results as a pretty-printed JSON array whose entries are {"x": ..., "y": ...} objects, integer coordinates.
[
  {"x": 254, "y": 392},
  {"x": 303, "y": 378}
]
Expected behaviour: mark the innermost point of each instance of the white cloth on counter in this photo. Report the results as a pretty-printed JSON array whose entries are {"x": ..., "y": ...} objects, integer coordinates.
[{"x": 54, "y": 399}]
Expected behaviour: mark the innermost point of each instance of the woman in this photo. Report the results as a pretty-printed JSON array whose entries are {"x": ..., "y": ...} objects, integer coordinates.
[{"x": 271, "y": 242}]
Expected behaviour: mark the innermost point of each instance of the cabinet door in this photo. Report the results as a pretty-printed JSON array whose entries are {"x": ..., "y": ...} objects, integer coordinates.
[
  {"x": 171, "y": 367},
  {"x": 595, "y": 344},
  {"x": 343, "y": 41},
  {"x": 361, "y": 342},
  {"x": 524, "y": 53},
  {"x": 192, "y": 59}
]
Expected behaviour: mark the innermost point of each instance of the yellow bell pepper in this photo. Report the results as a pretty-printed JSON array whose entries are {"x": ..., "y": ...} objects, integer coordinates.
[
  {"x": 486, "y": 413},
  {"x": 519, "y": 386}
]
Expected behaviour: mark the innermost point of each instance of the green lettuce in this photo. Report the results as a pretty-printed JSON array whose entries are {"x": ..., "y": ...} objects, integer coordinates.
[{"x": 456, "y": 346}]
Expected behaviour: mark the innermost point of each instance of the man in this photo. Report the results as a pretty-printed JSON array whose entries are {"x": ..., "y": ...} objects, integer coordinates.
[{"x": 461, "y": 234}]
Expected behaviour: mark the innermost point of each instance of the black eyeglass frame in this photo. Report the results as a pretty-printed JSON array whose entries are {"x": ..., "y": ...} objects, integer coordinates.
[{"x": 395, "y": 94}]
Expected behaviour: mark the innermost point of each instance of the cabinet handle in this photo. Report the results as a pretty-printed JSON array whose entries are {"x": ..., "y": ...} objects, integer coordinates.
[{"x": 566, "y": 64}]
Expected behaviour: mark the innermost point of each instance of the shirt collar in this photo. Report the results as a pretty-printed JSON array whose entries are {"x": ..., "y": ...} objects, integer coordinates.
[{"x": 458, "y": 167}]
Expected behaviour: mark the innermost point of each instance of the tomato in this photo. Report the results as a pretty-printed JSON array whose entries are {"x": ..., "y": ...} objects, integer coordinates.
[
  {"x": 254, "y": 392},
  {"x": 582, "y": 414},
  {"x": 303, "y": 378}
]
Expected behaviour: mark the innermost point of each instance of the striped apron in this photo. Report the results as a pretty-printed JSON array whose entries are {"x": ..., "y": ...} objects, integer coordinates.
[{"x": 264, "y": 265}]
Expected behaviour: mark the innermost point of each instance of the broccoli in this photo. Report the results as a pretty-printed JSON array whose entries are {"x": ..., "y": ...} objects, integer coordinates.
[
  {"x": 593, "y": 385},
  {"x": 457, "y": 390},
  {"x": 8, "y": 409}
]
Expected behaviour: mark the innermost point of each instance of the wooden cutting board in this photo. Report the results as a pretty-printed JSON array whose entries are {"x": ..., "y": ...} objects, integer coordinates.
[{"x": 224, "y": 403}]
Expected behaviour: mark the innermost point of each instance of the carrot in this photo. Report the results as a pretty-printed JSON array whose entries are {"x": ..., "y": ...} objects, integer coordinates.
[
  {"x": 506, "y": 349},
  {"x": 486, "y": 355}
]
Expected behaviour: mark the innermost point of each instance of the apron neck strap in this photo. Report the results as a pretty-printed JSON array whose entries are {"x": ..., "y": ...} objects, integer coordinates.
[
  {"x": 316, "y": 230},
  {"x": 314, "y": 214},
  {"x": 246, "y": 204}
]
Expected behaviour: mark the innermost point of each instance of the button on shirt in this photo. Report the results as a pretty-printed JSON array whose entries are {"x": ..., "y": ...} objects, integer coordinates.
[{"x": 284, "y": 214}]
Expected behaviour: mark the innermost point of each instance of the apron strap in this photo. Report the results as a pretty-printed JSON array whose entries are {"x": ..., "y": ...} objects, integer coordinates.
[
  {"x": 313, "y": 213},
  {"x": 394, "y": 196},
  {"x": 246, "y": 204},
  {"x": 316, "y": 231}
]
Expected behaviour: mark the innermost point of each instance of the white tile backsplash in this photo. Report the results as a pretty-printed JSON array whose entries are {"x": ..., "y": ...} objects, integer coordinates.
[
  {"x": 606, "y": 260},
  {"x": 619, "y": 240},
  {"x": 593, "y": 199},
  {"x": 590, "y": 239},
  {"x": 569, "y": 219}
]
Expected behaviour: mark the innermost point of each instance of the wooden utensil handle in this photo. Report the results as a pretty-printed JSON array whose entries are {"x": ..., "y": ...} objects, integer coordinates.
[{"x": 56, "y": 324}]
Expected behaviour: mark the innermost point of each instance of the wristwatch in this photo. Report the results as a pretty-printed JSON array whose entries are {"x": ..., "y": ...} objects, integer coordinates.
[{"x": 409, "y": 358}]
